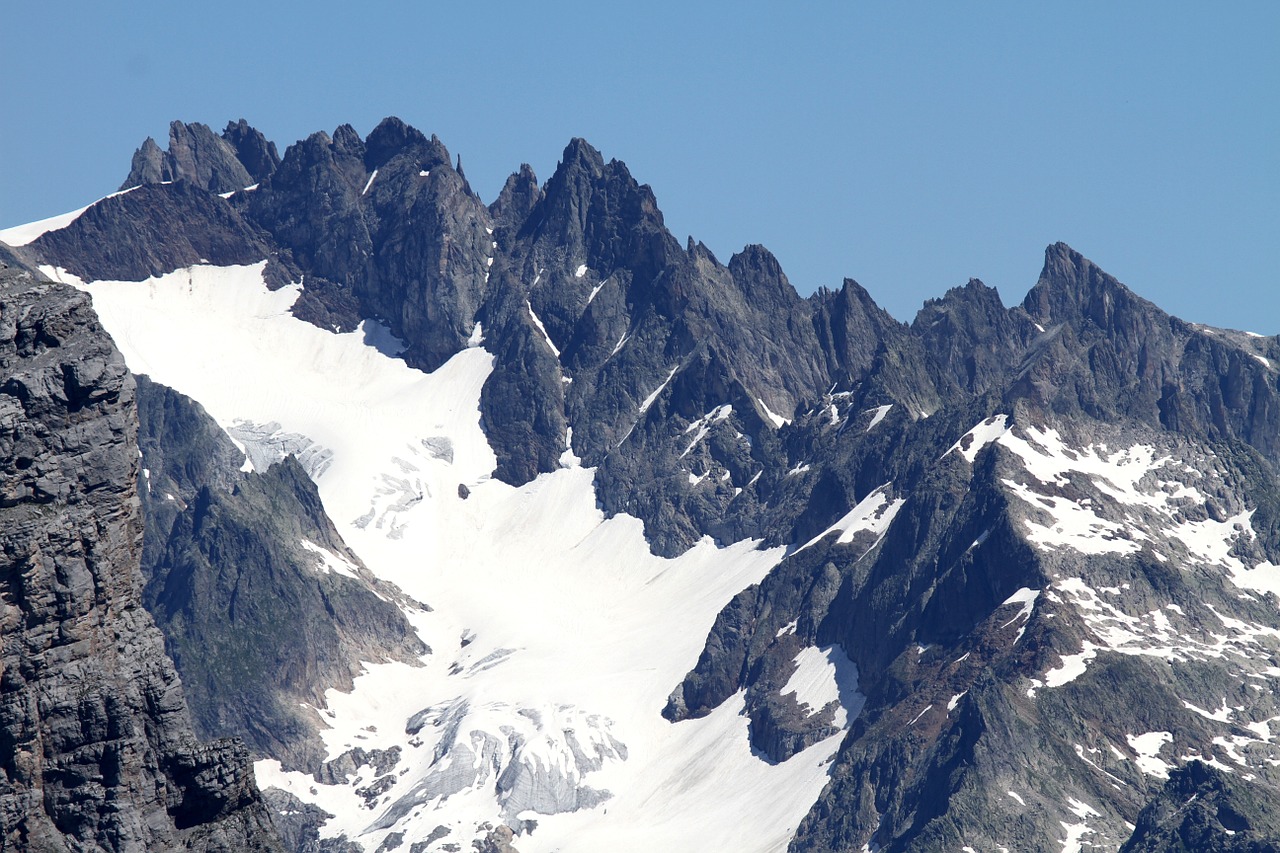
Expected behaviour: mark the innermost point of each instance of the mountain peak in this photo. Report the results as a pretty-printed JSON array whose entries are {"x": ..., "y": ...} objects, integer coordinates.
[
  {"x": 392, "y": 136},
  {"x": 580, "y": 154},
  {"x": 195, "y": 154},
  {"x": 1072, "y": 288}
]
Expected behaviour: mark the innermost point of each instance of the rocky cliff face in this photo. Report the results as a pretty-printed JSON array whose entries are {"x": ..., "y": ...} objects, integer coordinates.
[{"x": 96, "y": 750}]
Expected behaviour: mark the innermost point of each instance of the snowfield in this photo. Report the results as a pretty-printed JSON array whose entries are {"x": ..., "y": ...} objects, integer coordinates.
[{"x": 556, "y": 635}]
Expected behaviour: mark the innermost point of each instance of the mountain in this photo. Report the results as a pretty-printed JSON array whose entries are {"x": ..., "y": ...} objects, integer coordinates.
[{"x": 526, "y": 526}]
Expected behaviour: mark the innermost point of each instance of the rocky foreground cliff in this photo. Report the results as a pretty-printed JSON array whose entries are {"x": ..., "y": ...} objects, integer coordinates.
[{"x": 96, "y": 746}]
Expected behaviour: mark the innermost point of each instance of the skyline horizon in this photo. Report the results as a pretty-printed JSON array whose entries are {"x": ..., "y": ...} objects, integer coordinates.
[{"x": 908, "y": 150}]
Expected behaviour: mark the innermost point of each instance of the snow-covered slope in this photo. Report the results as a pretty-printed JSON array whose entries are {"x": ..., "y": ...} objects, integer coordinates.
[{"x": 556, "y": 635}]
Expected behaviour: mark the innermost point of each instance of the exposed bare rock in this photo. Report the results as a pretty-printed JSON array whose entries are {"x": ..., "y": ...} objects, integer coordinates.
[{"x": 96, "y": 748}]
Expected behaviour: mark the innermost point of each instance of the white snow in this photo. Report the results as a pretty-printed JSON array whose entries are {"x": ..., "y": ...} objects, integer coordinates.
[
  {"x": 1025, "y": 597},
  {"x": 1148, "y": 747},
  {"x": 595, "y": 290},
  {"x": 880, "y": 412},
  {"x": 1077, "y": 831},
  {"x": 825, "y": 675},
  {"x": 422, "y": 173},
  {"x": 987, "y": 432},
  {"x": 873, "y": 513},
  {"x": 649, "y": 401},
  {"x": 777, "y": 420},
  {"x": 477, "y": 336},
  {"x": 570, "y": 623},
  {"x": 568, "y": 459},
  {"x": 21, "y": 235},
  {"x": 1021, "y": 801},
  {"x": 541, "y": 328},
  {"x": 580, "y": 271},
  {"x": 703, "y": 424},
  {"x": 1071, "y": 668},
  {"x": 331, "y": 562},
  {"x": 369, "y": 183}
]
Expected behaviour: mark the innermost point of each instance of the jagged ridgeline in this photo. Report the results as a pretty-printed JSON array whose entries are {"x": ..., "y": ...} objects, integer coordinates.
[{"x": 526, "y": 526}]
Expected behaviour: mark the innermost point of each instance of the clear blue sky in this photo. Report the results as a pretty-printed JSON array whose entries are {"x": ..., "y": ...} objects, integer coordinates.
[{"x": 906, "y": 145}]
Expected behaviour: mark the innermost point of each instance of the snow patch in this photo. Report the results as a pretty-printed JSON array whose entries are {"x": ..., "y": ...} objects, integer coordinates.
[
  {"x": 1148, "y": 747},
  {"x": 987, "y": 432},
  {"x": 880, "y": 412},
  {"x": 825, "y": 675},
  {"x": 541, "y": 328},
  {"x": 777, "y": 420},
  {"x": 331, "y": 562},
  {"x": 874, "y": 513}
]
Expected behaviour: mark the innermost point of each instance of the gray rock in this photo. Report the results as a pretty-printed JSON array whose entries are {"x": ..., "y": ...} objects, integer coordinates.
[
  {"x": 97, "y": 747},
  {"x": 198, "y": 155}
]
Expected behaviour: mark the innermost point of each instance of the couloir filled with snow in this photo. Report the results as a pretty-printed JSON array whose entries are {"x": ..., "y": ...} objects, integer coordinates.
[{"x": 556, "y": 635}]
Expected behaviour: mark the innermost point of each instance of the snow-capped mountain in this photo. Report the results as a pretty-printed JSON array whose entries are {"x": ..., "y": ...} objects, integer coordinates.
[{"x": 522, "y": 526}]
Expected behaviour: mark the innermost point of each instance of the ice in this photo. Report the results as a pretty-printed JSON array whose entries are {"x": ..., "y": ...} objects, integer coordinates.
[
  {"x": 546, "y": 615},
  {"x": 21, "y": 235}
]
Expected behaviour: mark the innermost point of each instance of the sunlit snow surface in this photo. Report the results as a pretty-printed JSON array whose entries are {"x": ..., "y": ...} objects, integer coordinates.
[{"x": 556, "y": 635}]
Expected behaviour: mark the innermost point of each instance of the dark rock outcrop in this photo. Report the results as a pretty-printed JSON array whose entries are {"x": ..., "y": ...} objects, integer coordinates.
[
  {"x": 1204, "y": 810},
  {"x": 155, "y": 230},
  {"x": 96, "y": 747}
]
